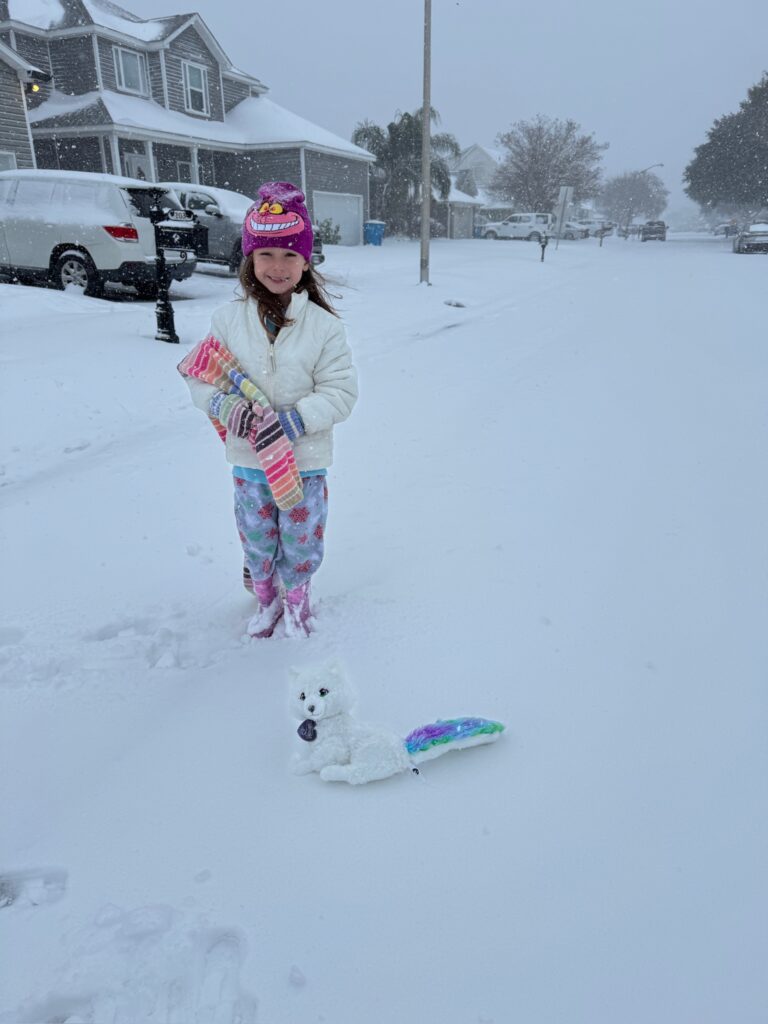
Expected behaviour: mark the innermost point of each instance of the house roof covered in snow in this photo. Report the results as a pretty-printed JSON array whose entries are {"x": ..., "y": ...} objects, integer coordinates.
[
  {"x": 458, "y": 198},
  {"x": 68, "y": 16},
  {"x": 256, "y": 121},
  {"x": 54, "y": 15}
]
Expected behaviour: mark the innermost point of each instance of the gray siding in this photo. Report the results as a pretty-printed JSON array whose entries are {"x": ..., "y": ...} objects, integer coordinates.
[
  {"x": 234, "y": 93},
  {"x": 189, "y": 46},
  {"x": 14, "y": 137},
  {"x": 326, "y": 173},
  {"x": 73, "y": 65},
  {"x": 107, "y": 64},
  {"x": 155, "y": 69},
  {"x": 36, "y": 52},
  {"x": 45, "y": 154},
  {"x": 244, "y": 172},
  {"x": 166, "y": 158},
  {"x": 69, "y": 154}
]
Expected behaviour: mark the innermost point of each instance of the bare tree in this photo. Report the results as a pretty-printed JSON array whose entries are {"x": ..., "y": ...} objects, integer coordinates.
[
  {"x": 636, "y": 193},
  {"x": 542, "y": 155}
]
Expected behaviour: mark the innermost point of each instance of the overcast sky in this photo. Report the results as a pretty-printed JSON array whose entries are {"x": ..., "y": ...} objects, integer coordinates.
[{"x": 648, "y": 77}]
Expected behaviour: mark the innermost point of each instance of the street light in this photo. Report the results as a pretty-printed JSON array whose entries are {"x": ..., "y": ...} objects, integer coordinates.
[{"x": 631, "y": 213}]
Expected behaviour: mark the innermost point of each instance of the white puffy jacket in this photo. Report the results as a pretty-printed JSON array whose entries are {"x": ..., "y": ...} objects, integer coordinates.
[{"x": 307, "y": 367}]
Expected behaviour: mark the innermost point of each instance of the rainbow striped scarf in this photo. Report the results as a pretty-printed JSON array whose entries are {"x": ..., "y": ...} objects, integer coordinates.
[{"x": 213, "y": 363}]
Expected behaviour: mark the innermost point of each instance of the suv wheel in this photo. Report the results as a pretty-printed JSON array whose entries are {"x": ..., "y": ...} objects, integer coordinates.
[
  {"x": 76, "y": 269},
  {"x": 491, "y": 234},
  {"x": 534, "y": 237}
]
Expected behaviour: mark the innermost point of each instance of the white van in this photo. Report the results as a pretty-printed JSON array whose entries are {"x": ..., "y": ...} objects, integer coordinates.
[
  {"x": 74, "y": 228},
  {"x": 531, "y": 226}
]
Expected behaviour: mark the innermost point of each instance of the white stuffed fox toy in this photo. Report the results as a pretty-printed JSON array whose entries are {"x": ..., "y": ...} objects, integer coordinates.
[{"x": 341, "y": 749}]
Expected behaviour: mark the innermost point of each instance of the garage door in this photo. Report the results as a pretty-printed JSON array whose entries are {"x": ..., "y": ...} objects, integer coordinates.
[{"x": 344, "y": 210}]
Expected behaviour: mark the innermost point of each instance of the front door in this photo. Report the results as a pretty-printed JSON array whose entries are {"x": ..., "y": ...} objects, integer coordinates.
[{"x": 137, "y": 165}]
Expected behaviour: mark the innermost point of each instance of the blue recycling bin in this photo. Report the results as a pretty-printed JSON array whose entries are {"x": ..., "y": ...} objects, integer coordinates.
[{"x": 373, "y": 232}]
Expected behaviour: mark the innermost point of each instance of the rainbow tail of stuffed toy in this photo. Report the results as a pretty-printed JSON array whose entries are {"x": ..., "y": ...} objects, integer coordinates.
[{"x": 453, "y": 734}]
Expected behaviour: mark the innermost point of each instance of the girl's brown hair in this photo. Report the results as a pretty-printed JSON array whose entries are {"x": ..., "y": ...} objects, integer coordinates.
[{"x": 270, "y": 305}]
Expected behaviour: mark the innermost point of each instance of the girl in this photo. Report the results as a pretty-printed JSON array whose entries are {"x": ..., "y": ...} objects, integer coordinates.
[{"x": 287, "y": 339}]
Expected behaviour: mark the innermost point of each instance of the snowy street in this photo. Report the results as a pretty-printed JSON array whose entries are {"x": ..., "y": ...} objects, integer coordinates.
[{"x": 548, "y": 508}]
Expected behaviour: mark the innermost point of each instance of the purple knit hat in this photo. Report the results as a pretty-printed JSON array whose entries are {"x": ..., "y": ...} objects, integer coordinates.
[{"x": 278, "y": 219}]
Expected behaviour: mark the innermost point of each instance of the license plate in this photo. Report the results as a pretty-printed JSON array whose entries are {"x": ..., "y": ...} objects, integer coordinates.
[{"x": 178, "y": 215}]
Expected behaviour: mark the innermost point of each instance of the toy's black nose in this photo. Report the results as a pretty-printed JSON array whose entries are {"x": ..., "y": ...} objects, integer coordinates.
[{"x": 310, "y": 708}]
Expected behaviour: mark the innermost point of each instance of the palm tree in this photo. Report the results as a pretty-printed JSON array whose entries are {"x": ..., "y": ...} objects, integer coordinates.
[{"x": 396, "y": 177}]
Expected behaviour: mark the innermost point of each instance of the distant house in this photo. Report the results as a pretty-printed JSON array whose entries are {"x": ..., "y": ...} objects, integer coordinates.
[
  {"x": 456, "y": 214},
  {"x": 482, "y": 161},
  {"x": 16, "y": 77},
  {"x": 161, "y": 100}
]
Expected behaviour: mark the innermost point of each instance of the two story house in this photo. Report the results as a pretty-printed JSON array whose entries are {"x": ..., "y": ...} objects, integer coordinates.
[{"x": 159, "y": 99}]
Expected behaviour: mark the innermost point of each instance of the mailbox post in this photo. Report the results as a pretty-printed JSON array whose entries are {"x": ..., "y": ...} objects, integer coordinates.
[
  {"x": 544, "y": 242},
  {"x": 166, "y": 329}
]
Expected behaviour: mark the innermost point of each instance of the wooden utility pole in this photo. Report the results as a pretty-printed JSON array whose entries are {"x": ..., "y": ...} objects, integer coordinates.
[{"x": 426, "y": 125}]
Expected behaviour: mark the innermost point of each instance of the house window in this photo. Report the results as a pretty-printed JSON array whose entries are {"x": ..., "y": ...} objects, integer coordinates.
[
  {"x": 183, "y": 171},
  {"x": 130, "y": 71},
  {"x": 196, "y": 89},
  {"x": 7, "y": 161}
]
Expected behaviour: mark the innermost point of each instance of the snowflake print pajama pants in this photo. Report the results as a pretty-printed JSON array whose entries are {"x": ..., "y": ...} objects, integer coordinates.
[{"x": 289, "y": 543}]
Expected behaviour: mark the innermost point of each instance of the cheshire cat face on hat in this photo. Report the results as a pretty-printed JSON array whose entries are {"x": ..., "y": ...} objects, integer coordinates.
[{"x": 278, "y": 220}]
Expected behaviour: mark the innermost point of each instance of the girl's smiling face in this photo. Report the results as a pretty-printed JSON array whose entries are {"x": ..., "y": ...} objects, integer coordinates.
[{"x": 279, "y": 270}]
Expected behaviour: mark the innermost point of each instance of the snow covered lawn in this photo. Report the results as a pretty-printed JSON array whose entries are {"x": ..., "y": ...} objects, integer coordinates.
[{"x": 549, "y": 507}]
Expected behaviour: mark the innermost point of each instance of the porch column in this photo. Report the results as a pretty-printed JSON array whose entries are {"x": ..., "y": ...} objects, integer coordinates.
[
  {"x": 151, "y": 155},
  {"x": 114, "y": 149},
  {"x": 195, "y": 173}
]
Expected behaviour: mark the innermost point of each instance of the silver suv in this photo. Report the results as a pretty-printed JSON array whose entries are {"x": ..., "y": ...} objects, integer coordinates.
[
  {"x": 63, "y": 228},
  {"x": 221, "y": 213}
]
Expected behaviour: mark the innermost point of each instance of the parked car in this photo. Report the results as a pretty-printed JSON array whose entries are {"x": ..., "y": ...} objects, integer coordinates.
[
  {"x": 726, "y": 230},
  {"x": 222, "y": 213},
  {"x": 752, "y": 237},
  {"x": 653, "y": 229},
  {"x": 597, "y": 227},
  {"x": 530, "y": 226},
  {"x": 64, "y": 228},
  {"x": 572, "y": 230}
]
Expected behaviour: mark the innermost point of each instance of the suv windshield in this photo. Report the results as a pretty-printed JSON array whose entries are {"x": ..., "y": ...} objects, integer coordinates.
[{"x": 141, "y": 200}]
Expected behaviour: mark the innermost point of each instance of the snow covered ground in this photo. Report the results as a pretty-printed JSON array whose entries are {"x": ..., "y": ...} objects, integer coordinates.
[{"x": 549, "y": 507}]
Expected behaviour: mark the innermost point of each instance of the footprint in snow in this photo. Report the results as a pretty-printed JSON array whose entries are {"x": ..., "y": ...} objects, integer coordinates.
[
  {"x": 220, "y": 999},
  {"x": 32, "y": 888}
]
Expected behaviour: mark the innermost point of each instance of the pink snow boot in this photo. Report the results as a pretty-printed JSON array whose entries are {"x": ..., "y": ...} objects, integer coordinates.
[
  {"x": 297, "y": 611},
  {"x": 263, "y": 623}
]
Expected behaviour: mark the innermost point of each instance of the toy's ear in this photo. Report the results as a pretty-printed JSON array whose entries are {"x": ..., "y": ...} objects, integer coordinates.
[
  {"x": 294, "y": 674},
  {"x": 335, "y": 669}
]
